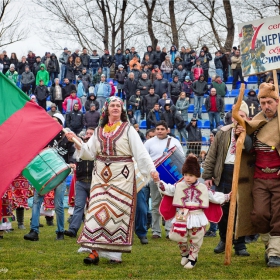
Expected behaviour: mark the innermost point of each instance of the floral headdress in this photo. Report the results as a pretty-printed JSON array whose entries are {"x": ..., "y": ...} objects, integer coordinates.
[{"x": 106, "y": 105}]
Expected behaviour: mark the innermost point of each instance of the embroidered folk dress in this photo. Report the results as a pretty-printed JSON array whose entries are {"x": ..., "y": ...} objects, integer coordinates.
[{"x": 109, "y": 222}]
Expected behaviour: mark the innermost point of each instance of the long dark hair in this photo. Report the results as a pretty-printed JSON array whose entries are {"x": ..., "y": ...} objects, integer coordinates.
[{"x": 106, "y": 117}]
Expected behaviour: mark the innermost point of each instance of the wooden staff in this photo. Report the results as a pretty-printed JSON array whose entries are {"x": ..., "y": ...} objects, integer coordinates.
[
  {"x": 75, "y": 140},
  {"x": 233, "y": 198}
]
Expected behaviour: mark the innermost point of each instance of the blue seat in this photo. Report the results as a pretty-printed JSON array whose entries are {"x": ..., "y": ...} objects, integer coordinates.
[
  {"x": 170, "y": 80},
  {"x": 252, "y": 79},
  {"x": 222, "y": 122},
  {"x": 143, "y": 125},
  {"x": 191, "y": 108},
  {"x": 49, "y": 84},
  {"x": 204, "y": 139},
  {"x": 48, "y": 98},
  {"x": 229, "y": 80},
  {"x": 48, "y": 109},
  {"x": 234, "y": 93},
  {"x": 228, "y": 107},
  {"x": 206, "y": 125},
  {"x": 209, "y": 80},
  {"x": 199, "y": 123}
]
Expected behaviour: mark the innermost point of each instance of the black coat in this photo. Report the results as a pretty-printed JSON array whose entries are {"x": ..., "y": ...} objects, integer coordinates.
[
  {"x": 152, "y": 117},
  {"x": 175, "y": 88},
  {"x": 194, "y": 133},
  {"x": 160, "y": 86},
  {"x": 68, "y": 88},
  {"x": 144, "y": 83},
  {"x": 84, "y": 169},
  {"x": 168, "y": 117},
  {"x": 149, "y": 101},
  {"x": 53, "y": 66},
  {"x": 130, "y": 87},
  {"x": 91, "y": 119},
  {"x": 41, "y": 92},
  {"x": 136, "y": 100},
  {"x": 75, "y": 120}
]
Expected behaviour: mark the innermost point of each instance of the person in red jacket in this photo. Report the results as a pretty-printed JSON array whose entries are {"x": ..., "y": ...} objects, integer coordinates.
[
  {"x": 69, "y": 102},
  {"x": 197, "y": 70}
]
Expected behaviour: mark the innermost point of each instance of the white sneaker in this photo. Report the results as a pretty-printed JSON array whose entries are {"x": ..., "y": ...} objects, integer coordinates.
[
  {"x": 84, "y": 250},
  {"x": 184, "y": 261},
  {"x": 190, "y": 264}
]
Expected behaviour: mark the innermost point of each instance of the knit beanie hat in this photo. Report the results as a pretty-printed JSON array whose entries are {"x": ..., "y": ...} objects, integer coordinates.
[
  {"x": 267, "y": 90},
  {"x": 191, "y": 166},
  {"x": 60, "y": 118},
  {"x": 244, "y": 108}
]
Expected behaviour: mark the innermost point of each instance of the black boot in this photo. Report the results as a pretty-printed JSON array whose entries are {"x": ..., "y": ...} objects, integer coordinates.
[
  {"x": 60, "y": 236},
  {"x": 20, "y": 217},
  {"x": 220, "y": 248},
  {"x": 49, "y": 221},
  {"x": 32, "y": 236}
]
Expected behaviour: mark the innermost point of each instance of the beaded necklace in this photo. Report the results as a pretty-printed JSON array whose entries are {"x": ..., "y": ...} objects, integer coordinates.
[{"x": 110, "y": 127}]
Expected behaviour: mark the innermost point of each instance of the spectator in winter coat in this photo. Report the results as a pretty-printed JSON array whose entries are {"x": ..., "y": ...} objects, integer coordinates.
[
  {"x": 199, "y": 88},
  {"x": 157, "y": 56},
  {"x": 160, "y": 85},
  {"x": 180, "y": 123},
  {"x": 41, "y": 93},
  {"x": 53, "y": 110},
  {"x": 141, "y": 134},
  {"x": 166, "y": 68},
  {"x": 91, "y": 118},
  {"x": 85, "y": 58},
  {"x": 220, "y": 87},
  {"x": 219, "y": 64},
  {"x": 14, "y": 60},
  {"x": 177, "y": 62},
  {"x": 168, "y": 117},
  {"x": 63, "y": 58},
  {"x": 80, "y": 87},
  {"x": 119, "y": 59},
  {"x": 21, "y": 66},
  {"x": 173, "y": 53},
  {"x": 86, "y": 79},
  {"x": 94, "y": 62},
  {"x": 78, "y": 66},
  {"x": 180, "y": 72},
  {"x": 12, "y": 74},
  {"x": 236, "y": 68},
  {"x": 131, "y": 118},
  {"x": 134, "y": 61},
  {"x": 164, "y": 100},
  {"x": 154, "y": 116},
  {"x": 146, "y": 70},
  {"x": 163, "y": 54},
  {"x": 70, "y": 101},
  {"x": 197, "y": 70},
  {"x": 75, "y": 120},
  {"x": 130, "y": 86},
  {"x": 187, "y": 86},
  {"x": 137, "y": 105},
  {"x": 42, "y": 74},
  {"x": 190, "y": 62},
  {"x": 106, "y": 63},
  {"x": 120, "y": 77},
  {"x": 102, "y": 91},
  {"x": 154, "y": 73},
  {"x": 57, "y": 93},
  {"x": 97, "y": 76},
  {"x": 91, "y": 100},
  {"x": 186, "y": 57},
  {"x": 214, "y": 105},
  {"x": 136, "y": 72},
  {"x": 144, "y": 84},
  {"x": 149, "y": 101},
  {"x": 174, "y": 89},
  {"x": 31, "y": 58},
  {"x": 182, "y": 106},
  {"x": 36, "y": 65},
  {"x": 53, "y": 68},
  {"x": 146, "y": 61},
  {"x": 68, "y": 88},
  {"x": 130, "y": 56},
  {"x": 70, "y": 69},
  {"x": 205, "y": 57},
  {"x": 194, "y": 138},
  {"x": 253, "y": 103},
  {"x": 27, "y": 80},
  {"x": 150, "y": 53},
  {"x": 6, "y": 63}
]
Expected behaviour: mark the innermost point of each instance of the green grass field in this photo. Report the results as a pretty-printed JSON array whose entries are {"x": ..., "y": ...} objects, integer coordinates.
[{"x": 160, "y": 259}]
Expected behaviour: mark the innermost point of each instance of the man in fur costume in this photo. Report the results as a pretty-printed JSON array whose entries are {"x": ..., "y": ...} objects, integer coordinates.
[
  {"x": 265, "y": 216},
  {"x": 218, "y": 171}
]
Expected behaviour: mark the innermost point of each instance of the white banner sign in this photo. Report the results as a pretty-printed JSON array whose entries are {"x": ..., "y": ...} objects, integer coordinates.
[{"x": 260, "y": 45}]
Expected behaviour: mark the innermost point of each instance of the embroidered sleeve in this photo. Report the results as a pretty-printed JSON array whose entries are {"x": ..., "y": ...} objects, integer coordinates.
[
  {"x": 217, "y": 197},
  {"x": 165, "y": 188},
  {"x": 88, "y": 150}
]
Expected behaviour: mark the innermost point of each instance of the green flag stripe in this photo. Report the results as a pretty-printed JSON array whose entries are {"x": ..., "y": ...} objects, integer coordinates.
[{"x": 12, "y": 98}]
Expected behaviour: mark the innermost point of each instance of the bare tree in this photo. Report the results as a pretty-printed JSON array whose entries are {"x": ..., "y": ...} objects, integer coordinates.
[
  {"x": 150, "y": 12},
  {"x": 219, "y": 16},
  {"x": 10, "y": 30}
]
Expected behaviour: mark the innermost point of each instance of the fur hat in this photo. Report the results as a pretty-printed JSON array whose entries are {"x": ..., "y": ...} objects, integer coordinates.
[
  {"x": 191, "y": 166},
  {"x": 244, "y": 108},
  {"x": 267, "y": 90}
]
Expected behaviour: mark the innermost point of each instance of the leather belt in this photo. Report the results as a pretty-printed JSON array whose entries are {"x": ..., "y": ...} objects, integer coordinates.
[{"x": 86, "y": 180}]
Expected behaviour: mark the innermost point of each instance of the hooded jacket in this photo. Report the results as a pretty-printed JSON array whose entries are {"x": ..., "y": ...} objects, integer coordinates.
[
  {"x": 168, "y": 117},
  {"x": 174, "y": 88},
  {"x": 197, "y": 71},
  {"x": 41, "y": 92},
  {"x": 42, "y": 75},
  {"x": 90, "y": 101},
  {"x": 180, "y": 73},
  {"x": 53, "y": 66}
]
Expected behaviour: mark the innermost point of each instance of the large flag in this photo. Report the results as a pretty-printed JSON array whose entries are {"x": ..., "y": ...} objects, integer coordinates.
[{"x": 25, "y": 129}]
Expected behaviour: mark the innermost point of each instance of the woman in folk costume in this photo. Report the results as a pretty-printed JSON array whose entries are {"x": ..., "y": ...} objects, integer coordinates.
[
  {"x": 109, "y": 222},
  {"x": 191, "y": 198},
  {"x": 21, "y": 192},
  {"x": 6, "y": 211}
]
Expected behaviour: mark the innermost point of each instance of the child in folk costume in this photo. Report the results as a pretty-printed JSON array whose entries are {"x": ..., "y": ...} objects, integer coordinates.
[{"x": 191, "y": 198}]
